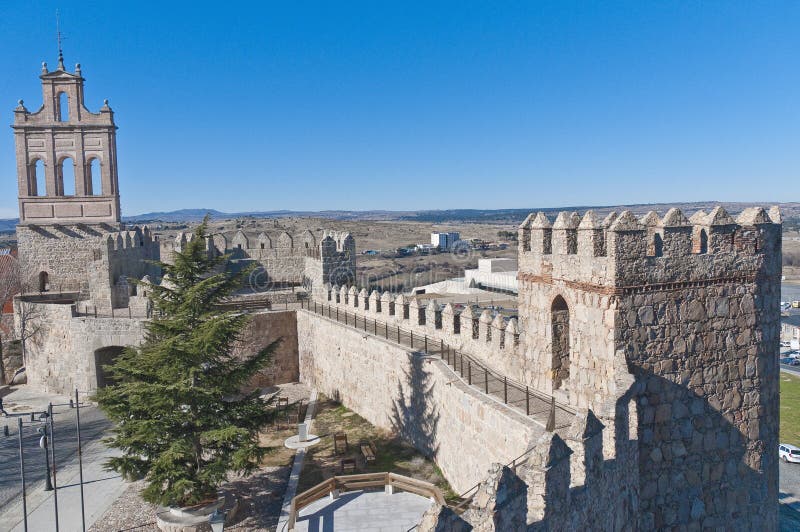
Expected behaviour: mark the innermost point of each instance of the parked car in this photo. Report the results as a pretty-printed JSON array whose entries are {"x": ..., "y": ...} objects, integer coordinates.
[{"x": 788, "y": 452}]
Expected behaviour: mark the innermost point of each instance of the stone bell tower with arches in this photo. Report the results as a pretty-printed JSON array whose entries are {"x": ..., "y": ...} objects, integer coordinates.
[
  {"x": 66, "y": 156},
  {"x": 70, "y": 234}
]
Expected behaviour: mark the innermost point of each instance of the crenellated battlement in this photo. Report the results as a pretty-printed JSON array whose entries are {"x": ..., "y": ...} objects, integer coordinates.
[
  {"x": 689, "y": 308},
  {"x": 625, "y": 251},
  {"x": 136, "y": 237},
  {"x": 485, "y": 335}
]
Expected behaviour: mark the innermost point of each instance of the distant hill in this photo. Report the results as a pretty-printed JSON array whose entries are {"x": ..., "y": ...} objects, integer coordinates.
[
  {"x": 193, "y": 215},
  {"x": 181, "y": 215},
  {"x": 8, "y": 224},
  {"x": 790, "y": 210}
]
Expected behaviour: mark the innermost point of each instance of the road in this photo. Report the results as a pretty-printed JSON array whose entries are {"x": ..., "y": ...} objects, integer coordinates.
[
  {"x": 789, "y": 484},
  {"x": 791, "y": 369},
  {"x": 93, "y": 424}
]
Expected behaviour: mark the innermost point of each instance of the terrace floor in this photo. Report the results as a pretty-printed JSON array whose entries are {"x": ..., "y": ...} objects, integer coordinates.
[{"x": 372, "y": 511}]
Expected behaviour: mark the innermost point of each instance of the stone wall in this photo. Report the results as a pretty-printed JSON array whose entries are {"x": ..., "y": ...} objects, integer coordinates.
[
  {"x": 263, "y": 329},
  {"x": 692, "y": 308},
  {"x": 564, "y": 483},
  {"x": 282, "y": 258},
  {"x": 419, "y": 397},
  {"x": 11, "y": 360},
  {"x": 486, "y": 336},
  {"x": 705, "y": 358},
  {"x": 63, "y": 348},
  {"x": 93, "y": 259},
  {"x": 63, "y": 252},
  {"x": 61, "y": 353}
]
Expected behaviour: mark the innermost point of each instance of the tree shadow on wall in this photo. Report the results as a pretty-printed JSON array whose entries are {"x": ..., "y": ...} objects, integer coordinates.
[{"x": 415, "y": 417}]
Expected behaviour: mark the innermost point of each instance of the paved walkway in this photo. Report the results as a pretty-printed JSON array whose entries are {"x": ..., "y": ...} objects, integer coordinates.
[
  {"x": 373, "y": 511},
  {"x": 101, "y": 488}
]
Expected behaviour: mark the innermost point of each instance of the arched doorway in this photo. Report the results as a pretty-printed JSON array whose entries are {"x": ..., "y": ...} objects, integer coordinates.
[
  {"x": 559, "y": 312},
  {"x": 103, "y": 357},
  {"x": 43, "y": 281}
]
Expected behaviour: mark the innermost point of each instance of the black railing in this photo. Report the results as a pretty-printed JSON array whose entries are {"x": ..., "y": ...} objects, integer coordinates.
[{"x": 541, "y": 407}]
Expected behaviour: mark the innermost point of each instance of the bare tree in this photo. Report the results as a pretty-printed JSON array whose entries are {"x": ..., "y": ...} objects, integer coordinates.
[
  {"x": 9, "y": 287},
  {"x": 28, "y": 320}
]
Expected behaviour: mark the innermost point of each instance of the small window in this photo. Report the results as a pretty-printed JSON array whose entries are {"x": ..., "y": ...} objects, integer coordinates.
[
  {"x": 43, "y": 282},
  {"x": 262, "y": 245}
]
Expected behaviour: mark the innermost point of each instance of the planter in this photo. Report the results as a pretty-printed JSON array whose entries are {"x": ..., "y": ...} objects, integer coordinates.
[{"x": 195, "y": 518}]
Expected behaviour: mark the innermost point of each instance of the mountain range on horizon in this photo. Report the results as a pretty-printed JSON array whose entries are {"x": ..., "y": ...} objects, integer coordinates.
[{"x": 789, "y": 209}]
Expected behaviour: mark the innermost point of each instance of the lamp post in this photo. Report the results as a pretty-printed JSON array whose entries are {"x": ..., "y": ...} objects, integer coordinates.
[{"x": 48, "y": 485}]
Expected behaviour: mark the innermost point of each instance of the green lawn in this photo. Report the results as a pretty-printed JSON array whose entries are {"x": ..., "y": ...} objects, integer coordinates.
[{"x": 790, "y": 409}]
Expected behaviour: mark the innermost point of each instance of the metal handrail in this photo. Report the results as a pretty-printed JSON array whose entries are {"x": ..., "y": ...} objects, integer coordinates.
[
  {"x": 460, "y": 507},
  {"x": 463, "y": 364}
]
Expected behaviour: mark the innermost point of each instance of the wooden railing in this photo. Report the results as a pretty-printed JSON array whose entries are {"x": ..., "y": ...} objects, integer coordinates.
[{"x": 339, "y": 484}]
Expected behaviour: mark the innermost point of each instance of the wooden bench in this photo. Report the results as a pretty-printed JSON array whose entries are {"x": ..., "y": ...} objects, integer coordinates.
[
  {"x": 340, "y": 443},
  {"x": 348, "y": 465},
  {"x": 368, "y": 451}
]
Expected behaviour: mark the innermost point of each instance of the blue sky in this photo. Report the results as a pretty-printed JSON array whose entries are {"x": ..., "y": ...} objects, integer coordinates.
[{"x": 423, "y": 105}]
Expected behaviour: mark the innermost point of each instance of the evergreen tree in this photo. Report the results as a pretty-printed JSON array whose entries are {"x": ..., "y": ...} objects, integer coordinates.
[{"x": 181, "y": 420}]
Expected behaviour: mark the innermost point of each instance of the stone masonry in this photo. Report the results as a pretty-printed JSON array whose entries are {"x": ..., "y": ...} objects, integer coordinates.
[
  {"x": 657, "y": 336},
  {"x": 282, "y": 259},
  {"x": 665, "y": 329}
]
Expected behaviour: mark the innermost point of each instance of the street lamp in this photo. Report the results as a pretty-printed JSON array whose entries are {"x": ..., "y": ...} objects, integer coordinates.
[{"x": 43, "y": 444}]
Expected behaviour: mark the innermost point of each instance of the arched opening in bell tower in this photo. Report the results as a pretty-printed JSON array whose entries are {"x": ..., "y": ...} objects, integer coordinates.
[
  {"x": 66, "y": 176},
  {"x": 93, "y": 169},
  {"x": 63, "y": 107},
  {"x": 38, "y": 181},
  {"x": 559, "y": 312}
]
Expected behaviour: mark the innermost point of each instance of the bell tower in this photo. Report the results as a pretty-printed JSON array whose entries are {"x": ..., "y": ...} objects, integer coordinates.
[
  {"x": 66, "y": 156},
  {"x": 70, "y": 234}
]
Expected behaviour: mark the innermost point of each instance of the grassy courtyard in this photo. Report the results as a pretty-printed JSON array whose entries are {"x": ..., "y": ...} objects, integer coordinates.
[
  {"x": 790, "y": 409},
  {"x": 392, "y": 454}
]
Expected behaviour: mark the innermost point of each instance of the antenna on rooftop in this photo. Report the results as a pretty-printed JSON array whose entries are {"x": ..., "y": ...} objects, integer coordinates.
[{"x": 59, "y": 39}]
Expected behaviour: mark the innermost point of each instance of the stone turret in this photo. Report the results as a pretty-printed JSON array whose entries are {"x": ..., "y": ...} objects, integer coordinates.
[{"x": 690, "y": 308}]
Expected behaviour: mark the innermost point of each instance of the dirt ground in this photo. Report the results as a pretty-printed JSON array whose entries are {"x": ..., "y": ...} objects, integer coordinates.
[
  {"x": 383, "y": 269},
  {"x": 391, "y": 454}
]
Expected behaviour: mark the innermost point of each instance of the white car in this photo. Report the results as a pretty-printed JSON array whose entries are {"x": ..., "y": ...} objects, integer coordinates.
[{"x": 789, "y": 453}]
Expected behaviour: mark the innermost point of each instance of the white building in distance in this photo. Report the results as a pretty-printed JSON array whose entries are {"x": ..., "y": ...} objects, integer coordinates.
[{"x": 445, "y": 241}]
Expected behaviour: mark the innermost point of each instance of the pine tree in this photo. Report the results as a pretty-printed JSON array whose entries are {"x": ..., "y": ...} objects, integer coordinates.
[{"x": 181, "y": 420}]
